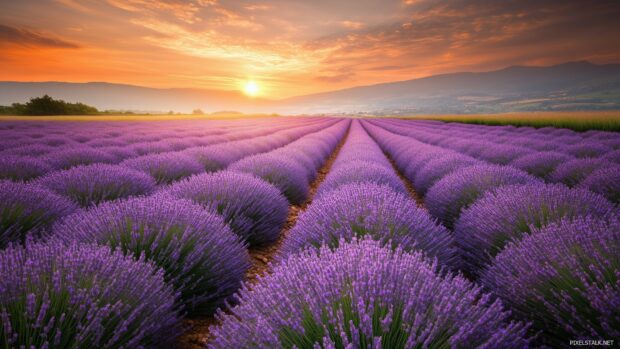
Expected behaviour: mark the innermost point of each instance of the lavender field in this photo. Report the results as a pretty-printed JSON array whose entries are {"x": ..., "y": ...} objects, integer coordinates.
[{"x": 316, "y": 232}]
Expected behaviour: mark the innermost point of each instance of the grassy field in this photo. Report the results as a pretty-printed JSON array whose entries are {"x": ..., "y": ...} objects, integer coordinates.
[{"x": 578, "y": 121}]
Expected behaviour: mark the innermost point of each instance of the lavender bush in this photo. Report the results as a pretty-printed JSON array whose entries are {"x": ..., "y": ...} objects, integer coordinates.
[
  {"x": 75, "y": 156},
  {"x": 612, "y": 156},
  {"x": 511, "y": 212},
  {"x": 361, "y": 171},
  {"x": 604, "y": 181},
  {"x": 83, "y": 296},
  {"x": 591, "y": 149},
  {"x": 364, "y": 296},
  {"x": 254, "y": 209},
  {"x": 564, "y": 278},
  {"x": 165, "y": 167},
  {"x": 574, "y": 171},
  {"x": 27, "y": 209},
  {"x": 541, "y": 164},
  {"x": 92, "y": 184},
  {"x": 286, "y": 174},
  {"x": 369, "y": 209},
  {"x": 456, "y": 191},
  {"x": 438, "y": 168},
  {"x": 22, "y": 168},
  {"x": 201, "y": 257}
]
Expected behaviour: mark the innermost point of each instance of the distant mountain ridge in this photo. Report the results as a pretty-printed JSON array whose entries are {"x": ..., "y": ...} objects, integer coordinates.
[
  {"x": 509, "y": 89},
  {"x": 569, "y": 86}
]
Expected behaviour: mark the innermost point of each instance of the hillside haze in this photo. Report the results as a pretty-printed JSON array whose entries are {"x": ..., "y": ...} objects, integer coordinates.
[{"x": 568, "y": 86}]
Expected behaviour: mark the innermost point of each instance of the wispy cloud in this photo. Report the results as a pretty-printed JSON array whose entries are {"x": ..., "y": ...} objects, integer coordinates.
[{"x": 25, "y": 37}]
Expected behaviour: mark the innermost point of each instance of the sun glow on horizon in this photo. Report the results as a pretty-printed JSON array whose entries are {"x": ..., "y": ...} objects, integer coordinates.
[{"x": 251, "y": 88}]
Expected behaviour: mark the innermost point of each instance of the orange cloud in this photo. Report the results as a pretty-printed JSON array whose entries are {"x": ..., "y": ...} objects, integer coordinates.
[{"x": 25, "y": 37}]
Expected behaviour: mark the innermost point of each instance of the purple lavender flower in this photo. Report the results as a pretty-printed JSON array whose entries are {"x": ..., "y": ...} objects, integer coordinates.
[
  {"x": 358, "y": 172},
  {"x": 83, "y": 296},
  {"x": 438, "y": 168},
  {"x": 363, "y": 295},
  {"x": 286, "y": 174},
  {"x": 92, "y": 184},
  {"x": 165, "y": 167},
  {"x": 604, "y": 181},
  {"x": 564, "y": 278},
  {"x": 27, "y": 209},
  {"x": 21, "y": 168},
  {"x": 75, "y": 156},
  {"x": 573, "y": 172},
  {"x": 511, "y": 212},
  {"x": 201, "y": 257},
  {"x": 456, "y": 191},
  {"x": 541, "y": 164},
  {"x": 369, "y": 209},
  {"x": 254, "y": 209}
]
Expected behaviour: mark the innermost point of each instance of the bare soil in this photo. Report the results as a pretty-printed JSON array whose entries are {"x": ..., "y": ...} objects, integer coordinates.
[
  {"x": 418, "y": 199},
  {"x": 198, "y": 335}
]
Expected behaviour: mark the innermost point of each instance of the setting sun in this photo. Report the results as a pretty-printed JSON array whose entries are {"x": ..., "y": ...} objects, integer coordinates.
[{"x": 251, "y": 88}]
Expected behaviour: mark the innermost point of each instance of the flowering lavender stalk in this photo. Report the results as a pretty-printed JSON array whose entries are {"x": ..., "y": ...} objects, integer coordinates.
[
  {"x": 369, "y": 209},
  {"x": 27, "y": 209},
  {"x": 201, "y": 257},
  {"x": 92, "y": 184},
  {"x": 362, "y": 295},
  {"x": 565, "y": 278},
  {"x": 513, "y": 211},
  {"x": 83, "y": 296},
  {"x": 254, "y": 209},
  {"x": 456, "y": 191}
]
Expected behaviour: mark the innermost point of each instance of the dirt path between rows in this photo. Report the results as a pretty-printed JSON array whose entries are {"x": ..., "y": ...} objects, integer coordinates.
[
  {"x": 199, "y": 335},
  {"x": 414, "y": 195}
]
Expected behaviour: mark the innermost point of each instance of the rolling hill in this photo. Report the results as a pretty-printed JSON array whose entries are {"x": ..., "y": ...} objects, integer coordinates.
[{"x": 568, "y": 86}]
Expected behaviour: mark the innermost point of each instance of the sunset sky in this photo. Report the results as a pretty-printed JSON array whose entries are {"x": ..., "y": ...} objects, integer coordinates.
[{"x": 293, "y": 47}]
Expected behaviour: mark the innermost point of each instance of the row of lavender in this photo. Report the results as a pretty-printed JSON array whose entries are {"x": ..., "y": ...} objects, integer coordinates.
[
  {"x": 123, "y": 273},
  {"x": 548, "y": 251},
  {"x": 34, "y": 206},
  {"x": 145, "y": 151},
  {"x": 364, "y": 267},
  {"x": 590, "y": 160}
]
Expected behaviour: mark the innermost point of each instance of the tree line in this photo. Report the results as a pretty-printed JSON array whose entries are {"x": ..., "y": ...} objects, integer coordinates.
[{"x": 46, "y": 105}]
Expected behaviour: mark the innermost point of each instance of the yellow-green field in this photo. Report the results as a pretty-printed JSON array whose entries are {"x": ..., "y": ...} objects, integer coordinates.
[{"x": 578, "y": 121}]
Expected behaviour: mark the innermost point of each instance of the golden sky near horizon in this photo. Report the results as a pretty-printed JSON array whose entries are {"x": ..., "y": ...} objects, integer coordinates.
[{"x": 292, "y": 47}]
